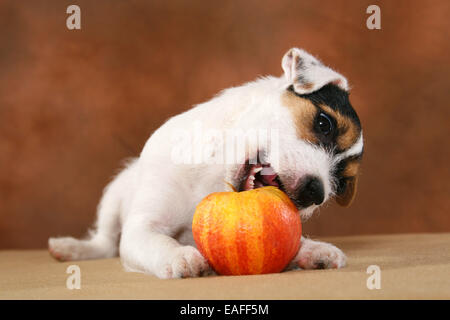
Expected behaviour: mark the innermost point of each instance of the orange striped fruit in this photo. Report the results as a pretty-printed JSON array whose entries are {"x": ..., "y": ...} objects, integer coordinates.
[{"x": 249, "y": 232}]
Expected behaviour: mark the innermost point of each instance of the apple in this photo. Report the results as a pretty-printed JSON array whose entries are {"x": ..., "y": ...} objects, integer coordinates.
[{"x": 250, "y": 232}]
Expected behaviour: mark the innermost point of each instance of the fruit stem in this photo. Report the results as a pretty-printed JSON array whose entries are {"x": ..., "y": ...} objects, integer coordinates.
[{"x": 230, "y": 185}]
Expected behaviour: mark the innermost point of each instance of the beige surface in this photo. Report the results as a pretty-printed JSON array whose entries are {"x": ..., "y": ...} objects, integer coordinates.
[{"x": 412, "y": 266}]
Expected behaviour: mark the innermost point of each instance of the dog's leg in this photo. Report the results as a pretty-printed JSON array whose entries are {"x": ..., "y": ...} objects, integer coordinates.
[
  {"x": 147, "y": 242},
  {"x": 146, "y": 249},
  {"x": 318, "y": 255}
]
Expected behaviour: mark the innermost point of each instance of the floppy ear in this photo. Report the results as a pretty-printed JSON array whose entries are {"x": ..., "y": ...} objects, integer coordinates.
[
  {"x": 346, "y": 198},
  {"x": 307, "y": 74}
]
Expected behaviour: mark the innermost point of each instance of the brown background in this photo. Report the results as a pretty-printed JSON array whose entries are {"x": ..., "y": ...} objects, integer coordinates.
[{"x": 74, "y": 103}]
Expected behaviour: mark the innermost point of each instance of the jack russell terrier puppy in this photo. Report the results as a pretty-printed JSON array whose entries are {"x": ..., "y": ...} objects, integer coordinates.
[{"x": 312, "y": 153}]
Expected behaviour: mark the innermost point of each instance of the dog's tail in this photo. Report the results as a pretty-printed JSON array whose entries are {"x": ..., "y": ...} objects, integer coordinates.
[{"x": 103, "y": 240}]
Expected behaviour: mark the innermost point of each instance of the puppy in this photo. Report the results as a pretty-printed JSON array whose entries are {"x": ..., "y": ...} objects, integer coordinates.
[{"x": 298, "y": 132}]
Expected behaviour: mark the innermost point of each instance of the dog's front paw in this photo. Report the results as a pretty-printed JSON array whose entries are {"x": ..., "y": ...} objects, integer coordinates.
[
  {"x": 184, "y": 262},
  {"x": 319, "y": 255}
]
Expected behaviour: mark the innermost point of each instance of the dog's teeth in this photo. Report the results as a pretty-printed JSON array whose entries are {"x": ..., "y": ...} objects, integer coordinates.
[
  {"x": 252, "y": 178},
  {"x": 256, "y": 170}
]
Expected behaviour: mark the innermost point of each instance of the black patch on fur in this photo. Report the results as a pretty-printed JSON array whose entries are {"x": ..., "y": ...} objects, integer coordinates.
[
  {"x": 337, "y": 99},
  {"x": 334, "y": 97}
]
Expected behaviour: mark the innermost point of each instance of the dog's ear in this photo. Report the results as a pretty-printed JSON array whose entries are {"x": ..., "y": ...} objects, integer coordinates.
[
  {"x": 346, "y": 198},
  {"x": 307, "y": 74}
]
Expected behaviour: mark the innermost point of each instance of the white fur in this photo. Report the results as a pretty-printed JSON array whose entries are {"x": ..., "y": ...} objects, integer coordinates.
[
  {"x": 150, "y": 204},
  {"x": 309, "y": 71},
  {"x": 318, "y": 255}
]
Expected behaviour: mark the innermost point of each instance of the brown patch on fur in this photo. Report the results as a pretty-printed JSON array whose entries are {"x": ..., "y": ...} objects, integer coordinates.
[
  {"x": 351, "y": 173},
  {"x": 303, "y": 113},
  {"x": 348, "y": 132},
  {"x": 351, "y": 169}
]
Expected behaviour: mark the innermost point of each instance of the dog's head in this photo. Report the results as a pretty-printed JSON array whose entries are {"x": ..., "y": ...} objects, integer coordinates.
[{"x": 320, "y": 143}]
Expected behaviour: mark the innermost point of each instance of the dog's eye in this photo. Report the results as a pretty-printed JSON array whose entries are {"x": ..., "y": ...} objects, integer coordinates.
[{"x": 324, "y": 124}]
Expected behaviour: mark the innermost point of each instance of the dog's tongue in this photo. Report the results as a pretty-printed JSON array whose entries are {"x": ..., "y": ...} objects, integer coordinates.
[{"x": 260, "y": 176}]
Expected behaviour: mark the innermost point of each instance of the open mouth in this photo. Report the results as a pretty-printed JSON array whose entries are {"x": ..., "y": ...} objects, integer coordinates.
[{"x": 257, "y": 176}]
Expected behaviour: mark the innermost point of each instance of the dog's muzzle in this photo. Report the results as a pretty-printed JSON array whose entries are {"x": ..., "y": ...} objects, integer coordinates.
[{"x": 310, "y": 192}]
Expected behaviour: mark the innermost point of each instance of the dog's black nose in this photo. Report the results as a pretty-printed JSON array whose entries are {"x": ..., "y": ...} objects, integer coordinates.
[{"x": 310, "y": 192}]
